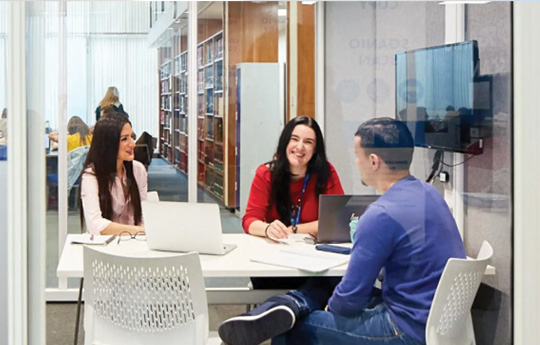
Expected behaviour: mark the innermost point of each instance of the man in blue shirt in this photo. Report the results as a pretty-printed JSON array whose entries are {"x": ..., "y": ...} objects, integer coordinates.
[{"x": 408, "y": 232}]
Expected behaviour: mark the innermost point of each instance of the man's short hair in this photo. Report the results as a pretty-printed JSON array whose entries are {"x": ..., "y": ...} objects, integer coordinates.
[{"x": 389, "y": 139}]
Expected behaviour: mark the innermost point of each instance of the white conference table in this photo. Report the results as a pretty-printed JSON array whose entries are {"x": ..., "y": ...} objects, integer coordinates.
[{"x": 236, "y": 263}]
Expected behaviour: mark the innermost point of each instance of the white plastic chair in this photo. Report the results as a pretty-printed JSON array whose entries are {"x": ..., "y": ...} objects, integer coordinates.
[
  {"x": 449, "y": 321},
  {"x": 145, "y": 300}
]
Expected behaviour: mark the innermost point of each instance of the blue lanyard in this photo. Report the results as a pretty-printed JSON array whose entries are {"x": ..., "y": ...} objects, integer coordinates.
[{"x": 297, "y": 220}]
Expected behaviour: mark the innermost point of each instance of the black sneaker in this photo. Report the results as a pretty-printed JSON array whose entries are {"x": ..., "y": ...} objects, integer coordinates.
[{"x": 254, "y": 329}]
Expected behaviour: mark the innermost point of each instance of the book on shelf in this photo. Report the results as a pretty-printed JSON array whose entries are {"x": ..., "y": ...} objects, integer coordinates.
[
  {"x": 219, "y": 47},
  {"x": 209, "y": 77},
  {"x": 200, "y": 81},
  {"x": 200, "y": 55},
  {"x": 209, "y": 52}
]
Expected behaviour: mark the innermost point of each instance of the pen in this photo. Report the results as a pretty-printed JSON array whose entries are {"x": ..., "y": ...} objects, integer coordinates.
[{"x": 109, "y": 240}]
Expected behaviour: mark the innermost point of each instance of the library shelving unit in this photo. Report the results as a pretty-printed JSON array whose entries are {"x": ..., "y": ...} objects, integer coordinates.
[
  {"x": 210, "y": 109},
  {"x": 165, "y": 103},
  {"x": 180, "y": 104},
  {"x": 173, "y": 102},
  {"x": 210, "y": 114},
  {"x": 228, "y": 34}
]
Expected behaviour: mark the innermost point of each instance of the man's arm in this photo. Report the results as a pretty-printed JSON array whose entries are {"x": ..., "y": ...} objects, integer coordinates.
[{"x": 373, "y": 244}]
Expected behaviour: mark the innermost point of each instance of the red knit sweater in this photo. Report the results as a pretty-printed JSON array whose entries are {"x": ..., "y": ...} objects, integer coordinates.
[{"x": 259, "y": 208}]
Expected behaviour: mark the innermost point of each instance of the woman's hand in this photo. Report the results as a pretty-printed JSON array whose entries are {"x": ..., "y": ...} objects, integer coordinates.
[
  {"x": 137, "y": 229},
  {"x": 310, "y": 228},
  {"x": 277, "y": 230}
]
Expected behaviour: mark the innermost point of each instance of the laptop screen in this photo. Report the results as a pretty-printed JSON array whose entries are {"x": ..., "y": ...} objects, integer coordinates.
[{"x": 336, "y": 212}]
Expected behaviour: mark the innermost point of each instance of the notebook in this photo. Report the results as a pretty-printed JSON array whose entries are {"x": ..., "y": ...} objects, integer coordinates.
[
  {"x": 184, "y": 227},
  {"x": 335, "y": 214}
]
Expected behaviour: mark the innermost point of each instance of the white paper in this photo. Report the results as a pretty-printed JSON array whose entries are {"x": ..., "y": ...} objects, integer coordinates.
[
  {"x": 303, "y": 258},
  {"x": 293, "y": 239},
  {"x": 95, "y": 240}
]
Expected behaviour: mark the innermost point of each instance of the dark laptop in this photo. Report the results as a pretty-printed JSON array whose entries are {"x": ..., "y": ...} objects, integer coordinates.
[{"x": 335, "y": 214}]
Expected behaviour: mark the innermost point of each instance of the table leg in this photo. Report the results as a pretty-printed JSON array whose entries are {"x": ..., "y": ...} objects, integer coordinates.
[{"x": 77, "y": 322}]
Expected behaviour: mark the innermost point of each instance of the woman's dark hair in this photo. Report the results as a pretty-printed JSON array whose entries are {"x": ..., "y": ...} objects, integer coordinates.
[
  {"x": 281, "y": 173},
  {"x": 102, "y": 158},
  {"x": 77, "y": 125}
]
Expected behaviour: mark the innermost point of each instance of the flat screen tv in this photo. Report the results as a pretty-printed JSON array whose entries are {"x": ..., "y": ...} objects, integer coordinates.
[{"x": 442, "y": 98}]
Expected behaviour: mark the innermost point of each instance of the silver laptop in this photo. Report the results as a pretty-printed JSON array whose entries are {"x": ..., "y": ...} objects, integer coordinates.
[
  {"x": 335, "y": 214},
  {"x": 184, "y": 227}
]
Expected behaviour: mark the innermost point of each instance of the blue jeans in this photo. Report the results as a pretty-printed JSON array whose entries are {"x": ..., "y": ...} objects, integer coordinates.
[{"x": 313, "y": 326}]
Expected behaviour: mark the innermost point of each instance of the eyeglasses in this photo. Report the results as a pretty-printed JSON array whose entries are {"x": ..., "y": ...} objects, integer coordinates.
[{"x": 126, "y": 235}]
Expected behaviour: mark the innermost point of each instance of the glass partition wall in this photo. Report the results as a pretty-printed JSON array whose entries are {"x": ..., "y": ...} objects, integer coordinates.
[
  {"x": 87, "y": 47},
  {"x": 77, "y": 50},
  {"x": 4, "y": 177},
  {"x": 361, "y": 40}
]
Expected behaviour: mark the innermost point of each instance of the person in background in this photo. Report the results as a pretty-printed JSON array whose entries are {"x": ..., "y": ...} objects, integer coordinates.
[
  {"x": 409, "y": 231},
  {"x": 109, "y": 109},
  {"x": 78, "y": 134},
  {"x": 111, "y": 98},
  {"x": 3, "y": 127},
  {"x": 113, "y": 184},
  {"x": 284, "y": 195}
]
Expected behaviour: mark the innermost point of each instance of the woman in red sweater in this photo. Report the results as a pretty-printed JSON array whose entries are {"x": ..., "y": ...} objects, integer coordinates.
[{"x": 284, "y": 196}]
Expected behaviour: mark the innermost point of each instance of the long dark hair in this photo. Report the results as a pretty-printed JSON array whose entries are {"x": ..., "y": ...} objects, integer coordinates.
[
  {"x": 281, "y": 172},
  {"x": 77, "y": 125},
  {"x": 102, "y": 158}
]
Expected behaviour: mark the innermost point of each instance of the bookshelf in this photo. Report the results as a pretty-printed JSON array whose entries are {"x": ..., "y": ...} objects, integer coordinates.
[
  {"x": 166, "y": 121},
  {"x": 210, "y": 109},
  {"x": 173, "y": 130},
  {"x": 181, "y": 113},
  {"x": 210, "y": 115},
  {"x": 229, "y": 33}
]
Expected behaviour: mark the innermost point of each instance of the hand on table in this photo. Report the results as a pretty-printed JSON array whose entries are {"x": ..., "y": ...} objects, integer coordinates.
[{"x": 277, "y": 230}]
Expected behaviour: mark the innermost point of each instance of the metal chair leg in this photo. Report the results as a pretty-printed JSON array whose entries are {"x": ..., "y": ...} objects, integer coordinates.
[{"x": 77, "y": 322}]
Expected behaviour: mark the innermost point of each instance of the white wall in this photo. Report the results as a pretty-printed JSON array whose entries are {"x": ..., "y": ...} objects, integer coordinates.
[
  {"x": 3, "y": 252},
  {"x": 526, "y": 170}
]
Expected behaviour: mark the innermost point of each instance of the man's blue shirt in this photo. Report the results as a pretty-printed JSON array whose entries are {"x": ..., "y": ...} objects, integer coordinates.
[{"x": 410, "y": 232}]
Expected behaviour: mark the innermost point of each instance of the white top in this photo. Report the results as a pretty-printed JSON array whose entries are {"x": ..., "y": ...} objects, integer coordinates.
[{"x": 123, "y": 212}]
